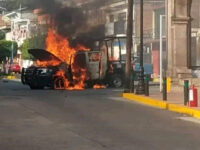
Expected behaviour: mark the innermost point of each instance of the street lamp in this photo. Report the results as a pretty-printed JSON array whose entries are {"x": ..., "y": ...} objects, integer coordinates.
[{"x": 140, "y": 88}]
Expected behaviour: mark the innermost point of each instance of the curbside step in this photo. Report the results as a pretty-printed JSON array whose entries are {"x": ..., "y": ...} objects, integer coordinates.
[{"x": 163, "y": 105}]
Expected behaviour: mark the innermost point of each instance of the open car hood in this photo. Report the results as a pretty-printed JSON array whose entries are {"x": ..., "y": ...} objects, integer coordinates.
[{"x": 43, "y": 55}]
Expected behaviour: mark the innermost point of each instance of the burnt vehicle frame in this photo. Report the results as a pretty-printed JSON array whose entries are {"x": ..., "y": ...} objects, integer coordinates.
[
  {"x": 115, "y": 75},
  {"x": 105, "y": 70},
  {"x": 114, "y": 68}
]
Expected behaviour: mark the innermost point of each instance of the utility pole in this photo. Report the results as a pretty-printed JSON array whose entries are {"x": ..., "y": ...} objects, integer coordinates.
[
  {"x": 12, "y": 51},
  {"x": 161, "y": 51},
  {"x": 140, "y": 88},
  {"x": 129, "y": 43}
]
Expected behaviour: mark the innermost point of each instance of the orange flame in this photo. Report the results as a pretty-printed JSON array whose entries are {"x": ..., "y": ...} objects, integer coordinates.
[
  {"x": 61, "y": 82},
  {"x": 47, "y": 63},
  {"x": 60, "y": 47},
  {"x": 97, "y": 86}
]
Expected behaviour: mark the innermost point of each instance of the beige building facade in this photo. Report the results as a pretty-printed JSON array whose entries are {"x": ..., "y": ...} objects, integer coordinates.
[{"x": 179, "y": 38}]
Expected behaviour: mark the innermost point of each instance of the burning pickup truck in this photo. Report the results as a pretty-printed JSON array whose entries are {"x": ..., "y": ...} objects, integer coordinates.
[
  {"x": 50, "y": 71},
  {"x": 61, "y": 66},
  {"x": 86, "y": 69}
]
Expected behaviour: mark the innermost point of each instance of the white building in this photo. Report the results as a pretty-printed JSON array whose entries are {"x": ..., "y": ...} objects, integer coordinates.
[
  {"x": 19, "y": 23},
  {"x": 19, "y": 27}
]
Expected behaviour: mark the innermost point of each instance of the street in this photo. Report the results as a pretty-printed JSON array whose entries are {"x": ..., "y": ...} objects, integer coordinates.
[{"x": 87, "y": 120}]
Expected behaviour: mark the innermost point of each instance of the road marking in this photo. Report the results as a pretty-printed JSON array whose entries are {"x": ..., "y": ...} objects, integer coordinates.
[{"x": 189, "y": 119}]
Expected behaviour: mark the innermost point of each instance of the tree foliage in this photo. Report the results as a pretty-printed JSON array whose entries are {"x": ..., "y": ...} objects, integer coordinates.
[
  {"x": 24, "y": 49},
  {"x": 37, "y": 41},
  {"x": 6, "y": 49},
  {"x": 2, "y": 35}
]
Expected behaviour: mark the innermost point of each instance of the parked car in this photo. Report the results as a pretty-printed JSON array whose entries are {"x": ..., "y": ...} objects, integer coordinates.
[{"x": 15, "y": 67}]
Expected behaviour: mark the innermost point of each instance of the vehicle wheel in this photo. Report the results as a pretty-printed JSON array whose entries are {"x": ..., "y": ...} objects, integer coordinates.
[
  {"x": 59, "y": 83},
  {"x": 117, "y": 81}
]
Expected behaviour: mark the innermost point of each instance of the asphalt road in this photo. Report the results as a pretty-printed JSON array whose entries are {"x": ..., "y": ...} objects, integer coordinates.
[{"x": 87, "y": 120}]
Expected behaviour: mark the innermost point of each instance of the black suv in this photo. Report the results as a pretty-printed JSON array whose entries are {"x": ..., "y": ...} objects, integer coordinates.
[{"x": 40, "y": 77}]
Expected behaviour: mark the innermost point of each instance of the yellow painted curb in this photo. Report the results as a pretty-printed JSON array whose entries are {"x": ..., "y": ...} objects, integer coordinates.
[
  {"x": 163, "y": 105},
  {"x": 146, "y": 100},
  {"x": 10, "y": 77},
  {"x": 184, "y": 110}
]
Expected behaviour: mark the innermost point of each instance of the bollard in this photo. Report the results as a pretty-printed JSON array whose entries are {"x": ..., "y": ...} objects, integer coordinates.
[
  {"x": 146, "y": 81},
  {"x": 168, "y": 85},
  {"x": 164, "y": 88},
  {"x": 186, "y": 92}
]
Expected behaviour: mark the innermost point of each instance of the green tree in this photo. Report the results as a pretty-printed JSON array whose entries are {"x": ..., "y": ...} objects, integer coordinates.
[
  {"x": 2, "y": 35},
  {"x": 37, "y": 41},
  {"x": 6, "y": 49},
  {"x": 24, "y": 49}
]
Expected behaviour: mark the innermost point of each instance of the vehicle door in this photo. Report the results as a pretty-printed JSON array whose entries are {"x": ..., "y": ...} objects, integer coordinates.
[{"x": 94, "y": 65}]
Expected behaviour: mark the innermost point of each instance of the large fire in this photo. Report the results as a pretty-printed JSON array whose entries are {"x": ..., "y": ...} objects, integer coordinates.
[
  {"x": 47, "y": 63},
  {"x": 60, "y": 47},
  {"x": 98, "y": 86}
]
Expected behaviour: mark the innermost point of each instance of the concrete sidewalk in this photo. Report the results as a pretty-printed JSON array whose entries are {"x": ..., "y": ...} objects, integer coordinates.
[{"x": 175, "y": 101}]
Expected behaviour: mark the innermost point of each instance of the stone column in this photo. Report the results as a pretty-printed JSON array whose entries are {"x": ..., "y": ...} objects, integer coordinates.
[{"x": 179, "y": 37}]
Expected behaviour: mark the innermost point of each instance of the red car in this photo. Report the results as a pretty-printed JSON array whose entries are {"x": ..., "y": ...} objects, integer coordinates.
[{"x": 15, "y": 68}]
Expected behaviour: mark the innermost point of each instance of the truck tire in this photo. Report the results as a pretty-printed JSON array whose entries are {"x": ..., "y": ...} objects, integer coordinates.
[
  {"x": 116, "y": 81},
  {"x": 59, "y": 83}
]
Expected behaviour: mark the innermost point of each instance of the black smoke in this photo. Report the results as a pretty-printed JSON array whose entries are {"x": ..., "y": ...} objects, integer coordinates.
[
  {"x": 88, "y": 38},
  {"x": 72, "y": 21},
  {"x": 69, "y": 20}
]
